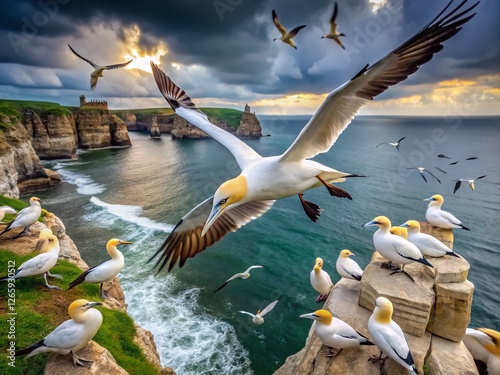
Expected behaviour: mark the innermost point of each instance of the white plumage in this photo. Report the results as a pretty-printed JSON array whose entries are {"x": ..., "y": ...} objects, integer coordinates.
[
  {"x": 4, "y": 210},
  {"x": 258, "y": 318},
  {"x": 320, "y": 280},
  {"x": 427, "y": 244},
  {"x": 439, "y": 218},
  {"x": 346, "y": 267},
  {"x": 26, "y": 217},
  {"x": 241, "y": 275}
]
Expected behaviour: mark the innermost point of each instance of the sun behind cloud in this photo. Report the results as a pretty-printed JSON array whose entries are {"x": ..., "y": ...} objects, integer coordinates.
[{"x": 141, "y": 56}]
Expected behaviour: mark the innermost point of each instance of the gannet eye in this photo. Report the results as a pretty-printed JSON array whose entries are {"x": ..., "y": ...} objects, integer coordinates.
[{"x": 222, "y": 201}]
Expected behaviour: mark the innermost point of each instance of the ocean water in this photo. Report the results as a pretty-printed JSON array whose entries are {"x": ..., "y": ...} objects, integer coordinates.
[{"x": 140, "y": 193}]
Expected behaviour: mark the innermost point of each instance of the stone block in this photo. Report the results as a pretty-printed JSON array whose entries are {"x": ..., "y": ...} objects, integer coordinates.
[{"x": 447, "y": 357}]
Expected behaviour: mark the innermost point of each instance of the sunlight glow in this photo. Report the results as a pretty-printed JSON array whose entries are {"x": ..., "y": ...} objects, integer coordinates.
[
  {"x": 376, "y": 5},
  {"x": 141, "y": 56}
]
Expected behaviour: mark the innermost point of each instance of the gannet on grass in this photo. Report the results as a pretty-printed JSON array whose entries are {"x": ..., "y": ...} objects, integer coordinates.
[
  {"x": 258, "y": 318},
  {"x": 394, "y": 248},
  {"x": 105, "y": 271},
  {"x": 470, "y": 182},
  {"x": 427, "y": 244},
  {"x": 5, "y": 210},
  {"x": 346, "y": 267},
  {"x": 98, "y": 69},
  {"x": 335, "y": 333},
  {"x": 286, "y": 37},
  {"x": 389, "y": 337},
  {"x": 243, "y": 275},
  {"x": 333, "y": 34},
  {"x": 71, "y": 335},
  {"x": 398, "y": 231},
  {"x": 421, "y": 170},
  {"x": 395, "y": 144},
  {"x": 41, "y": 264},
  {"x": 25, "y": 218},
  {"x": 439, "y": 218},
  {"x": 265, "y": 179},
  {"x": 320, "y": 281},
  {"x": 489, "y": 339}
]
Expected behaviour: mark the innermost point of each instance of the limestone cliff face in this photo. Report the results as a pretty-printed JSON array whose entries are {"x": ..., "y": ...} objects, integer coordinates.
[
  {"x": 249, "y": 126},
  {"x": 183, "y": 129},
  {"x": 100, "y": 128}
]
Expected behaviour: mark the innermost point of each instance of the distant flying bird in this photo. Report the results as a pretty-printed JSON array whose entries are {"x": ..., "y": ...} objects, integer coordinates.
[
  {"x": 443, "y": 156},
  {"x": 94, "y": 76},
  {"x": 395, "y": 144},
  {"x": 439, "y": 218},
  {"x": 26, "y": 217},
  {"x": 264, "y": 180},
  {"x": 346, "y": 267},
  {"x": 71, "y": 335},
  {"x": 243, "y": 275},
  {"x": 472, "y": 158},
  {"x": 426, "y": 243},
  {"x": 6, "y": 210},
  {"x": 320, "y": 281},
  {"x": 286, "y": 37},
  {"x": 258, "y": 318},
  {"x": 105, "y": 271},
  {"x": 455, "y": 162},
  {"x": 333, "y": 28},
  {"x": 471, "y": 183},
  {"x": 421, "y": 170},
  {"x": 440, "y": 170}
]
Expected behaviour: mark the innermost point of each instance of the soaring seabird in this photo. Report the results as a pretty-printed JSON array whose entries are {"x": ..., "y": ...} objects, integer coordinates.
[
  {"x": 286, "y": 37},
  {"x": 243, "y": 275},
  {"x": 333, "y": 34},
  {"x": 258, "y": 318}
]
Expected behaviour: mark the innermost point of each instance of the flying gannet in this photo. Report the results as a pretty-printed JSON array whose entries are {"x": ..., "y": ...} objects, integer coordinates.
[
  {"x": 442, "y": 156},
  {"x": 346, "y": 267},
  {"x": 41, "y": 264},
  {"x": 439, "y": 218},
  {"x": 105, "y": 271},
  {"x": 265, "y": 179},
  {"x": 336, "y": 333},
  {"x": 243, "y": 275},
  {"x": 395, "y": 144},
  {"x": 26, "y": 217},
  {"x": 71, "y": 335},
  {"x": 426, "y": 243},
  {"x": 94, "y": 76},
  {"x": 258, "y": 318},
  {"x": 4, "y": 210},
  {"x": 333, "y": 34},
  {"x": 389, "y": 337},
  {"x": 421, "y": 170},
  {"x": 320, "y": 281},
  {"x": 286, "y": 37},
  {"x": 470, "y": 182}
]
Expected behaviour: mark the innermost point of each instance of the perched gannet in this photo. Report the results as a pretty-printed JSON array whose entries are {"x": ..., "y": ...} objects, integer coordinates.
[
  {"x": 442, "y": 156},
  {"x": 427, "y": 244},
  {"x": 394, "y": 248},
  {"x": 475, "y": 342},
  {"x": 286, "y": 37},
  {"x": 422, "y": 170},
  {"x": 395, "y": 144},
  {"x": 389, "y": 337},
  {"x": 398, "y": 231},
  {"x": 320, "y": 281},
  {"x": 26, "y": 217},
  {"x": 6, "y": 210},
  {"x": 334, "y": 332},
  {"x": 105, "y": 271},
  {"x": 333, "y": 28},
  {"x": 439, "y": 218},
  {"x": 94, "y": 76},
  {"x": 71, "y": 335},
  {"x": 41, "y": 264},
  {"x": 471, "y": 183},
  {"x": 43, "y": 240},
  {"x": 346, "y": 267},
  {"x": 490, "y": 341},
  {"x": 243, "y": 275},
  {"x": 263, "y": 180},
  {"x": 259, "y": 317}
]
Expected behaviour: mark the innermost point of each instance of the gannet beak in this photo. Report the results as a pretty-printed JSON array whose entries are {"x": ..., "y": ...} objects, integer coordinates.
[
  {"x": 92, "y": 304},
  {"x": 404, "y": 225},
  {"x": 309, "y": 316},
  {"x": 429, "y": 199},
  {"x": 370, "y": 223},
  {"x": 125, "y": 243},
  {"x": 214, "y": 215}
]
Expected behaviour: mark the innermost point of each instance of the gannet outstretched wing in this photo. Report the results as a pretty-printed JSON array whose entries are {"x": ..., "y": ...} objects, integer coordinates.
[
  {"x": 268, "y": 308},
  {"x": 95, "y": 66}
]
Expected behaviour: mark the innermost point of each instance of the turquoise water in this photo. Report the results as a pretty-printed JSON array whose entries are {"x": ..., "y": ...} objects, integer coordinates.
[{"x": 140, "y": 193}]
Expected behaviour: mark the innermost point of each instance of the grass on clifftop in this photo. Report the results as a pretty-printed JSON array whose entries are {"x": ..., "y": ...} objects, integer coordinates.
[
  {"x": 14, "y": 107},
  {"x": 40, "y": 310},
  {"x": 17, "y": 205}
]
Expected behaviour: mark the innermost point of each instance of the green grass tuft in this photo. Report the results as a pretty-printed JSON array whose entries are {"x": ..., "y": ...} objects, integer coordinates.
[{"x": 13, "y": 108}]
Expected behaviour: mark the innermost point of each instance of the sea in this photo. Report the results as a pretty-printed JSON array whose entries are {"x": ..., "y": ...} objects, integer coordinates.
[{"x": 139, "y": 194}]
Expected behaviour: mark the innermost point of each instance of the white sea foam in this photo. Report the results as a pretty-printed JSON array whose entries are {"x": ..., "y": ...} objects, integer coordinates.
[{"x": 84, "y": 184}]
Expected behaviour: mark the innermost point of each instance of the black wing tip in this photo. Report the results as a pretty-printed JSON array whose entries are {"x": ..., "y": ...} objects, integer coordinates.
[
  {"x": 464, "y": 227},
  {"x": 30, "y": 348},
  {"x": 274, "y": 14},
  {"x": 219, "y": 288}
]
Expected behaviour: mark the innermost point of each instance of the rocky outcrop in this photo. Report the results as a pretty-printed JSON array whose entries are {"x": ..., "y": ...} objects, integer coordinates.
[
  {"x": 433, "y": 312},
  {"x": 183, "y": 129},
  {"x": 249, "y": 126},
  {"x": 100, "y": 128}
]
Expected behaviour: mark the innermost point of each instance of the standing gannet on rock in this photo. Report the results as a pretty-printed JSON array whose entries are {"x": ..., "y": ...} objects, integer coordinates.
[
  {"x": 266, "y": 179},
  {"x": 243, "y": 275},
  {"x": 26, "y": 217},
  {"x": 427, "y": 244},
  {"x": 333, "y": 34},
  {"x": 258, "y": 318},
  {"x": 105, "y": 271},
  {"x": 470, "y": 182},
  {"x": 320, "y": 281},
  {"x": 484, "y": 345},
  {"x": 394, "y": 248},
  {"x": 4, "y": 210},
  {"x": 98, "y": 69},
  {"x": 72, "y": 335},
  {"x": 346, "y": 267},
  {"x": 389, "y": 337},
  {"x": 286, "y": 37},
  {"x": 336, "y": 333},
  {"x": 395, "y": 144},
  {"x": 41, "y": 264},
  {"x": 398, "y": 231},
  {"x": 439, "y": 218}
]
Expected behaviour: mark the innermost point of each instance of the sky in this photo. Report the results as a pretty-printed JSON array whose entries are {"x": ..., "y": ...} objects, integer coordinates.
[{"x": 222, "y": 53}]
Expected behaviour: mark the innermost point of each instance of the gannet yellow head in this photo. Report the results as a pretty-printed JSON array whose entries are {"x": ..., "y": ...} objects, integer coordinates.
[
  {"x": 322, "y": 316},
  {"x": 435, "y": 200},
  {"x": 113, "y": 243},
  {"x": 383, "y": 310},
  {"x": 44, "y": 233},
  {"x": 53, "y": 242},
  {"x": 230, "y": 194},
  {"x": 35, "y": 200},
  {"x": 399, "y": 231},
  {"x": 78, "y": 307},
  {"x": 495, "y": 337},
  {"x": 346, "y": 253},
  {"x": 379, "y": 221},
  {"x": 319, "y": 264},
  {"x": 412, "y": 225}
]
